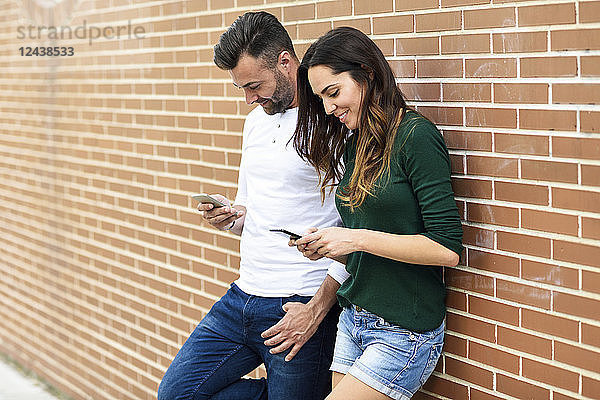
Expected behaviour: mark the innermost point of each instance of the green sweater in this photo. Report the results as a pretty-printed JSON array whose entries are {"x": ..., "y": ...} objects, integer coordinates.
[{"x": 415, "y": 198}]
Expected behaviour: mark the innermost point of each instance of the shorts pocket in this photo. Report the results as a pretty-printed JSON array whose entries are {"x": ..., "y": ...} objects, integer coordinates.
[{"x": 434, "y": 355}]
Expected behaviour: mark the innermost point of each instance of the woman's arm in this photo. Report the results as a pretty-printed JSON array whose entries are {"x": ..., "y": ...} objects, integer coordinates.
[{"x": 415, "y": 249}]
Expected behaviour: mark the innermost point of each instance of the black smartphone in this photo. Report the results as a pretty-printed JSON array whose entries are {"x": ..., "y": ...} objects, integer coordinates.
[{"x": 292, "y": 235}]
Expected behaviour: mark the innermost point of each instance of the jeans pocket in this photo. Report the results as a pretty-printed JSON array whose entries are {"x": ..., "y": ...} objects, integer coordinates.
[{"x": 435, "y": 351}]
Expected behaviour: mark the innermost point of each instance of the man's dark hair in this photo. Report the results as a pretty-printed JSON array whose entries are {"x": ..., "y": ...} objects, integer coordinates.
[{"x": 258, "y": 34}]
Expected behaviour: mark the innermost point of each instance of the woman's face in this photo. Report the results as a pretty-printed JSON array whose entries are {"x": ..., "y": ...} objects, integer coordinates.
[{"x": 341, "y": 95}]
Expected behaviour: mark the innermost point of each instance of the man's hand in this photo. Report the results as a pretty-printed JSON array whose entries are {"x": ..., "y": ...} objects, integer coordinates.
[
  {"x": 220, "y": 217},
  {"x": 301, "y": 321},
  {"x": 293, "y": 330}
]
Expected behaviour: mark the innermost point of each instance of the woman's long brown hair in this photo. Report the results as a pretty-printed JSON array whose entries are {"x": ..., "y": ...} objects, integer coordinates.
[{"x": 320, "y": 138}]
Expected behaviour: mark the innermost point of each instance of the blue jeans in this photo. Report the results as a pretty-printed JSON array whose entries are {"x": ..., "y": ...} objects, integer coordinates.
[{"x": 227, "y": 345}]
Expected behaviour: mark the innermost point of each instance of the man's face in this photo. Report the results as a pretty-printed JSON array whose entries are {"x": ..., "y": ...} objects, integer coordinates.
[{"x": 268, "y": 87}]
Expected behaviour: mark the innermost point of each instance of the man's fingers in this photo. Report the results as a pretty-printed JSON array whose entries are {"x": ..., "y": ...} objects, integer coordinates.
[
  {"x": 294, "y": 351},
  {"x": 274, "y": 340},
  {"x": 272, "y": 331},
  {"x": 282, "y": 347}
]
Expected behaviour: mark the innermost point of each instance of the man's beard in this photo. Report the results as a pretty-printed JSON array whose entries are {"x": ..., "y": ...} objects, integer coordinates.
[{"x": 282, "y": 97}]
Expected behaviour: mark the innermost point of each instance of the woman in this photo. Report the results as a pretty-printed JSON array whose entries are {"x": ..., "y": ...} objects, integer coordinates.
[{"x": 397, "y": 205}]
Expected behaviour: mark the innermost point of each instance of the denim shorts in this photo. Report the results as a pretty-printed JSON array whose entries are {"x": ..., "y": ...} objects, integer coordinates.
[{"x": 388, "y": 358}]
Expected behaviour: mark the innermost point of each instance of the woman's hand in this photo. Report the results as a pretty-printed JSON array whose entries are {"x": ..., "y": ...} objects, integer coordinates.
[{"x": 332, "y": 242}]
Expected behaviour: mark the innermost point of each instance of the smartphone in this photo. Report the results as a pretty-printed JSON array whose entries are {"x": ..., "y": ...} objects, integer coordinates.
[
  {"x": 292, "y": 235},
  {"x": 204, "y": 198}
]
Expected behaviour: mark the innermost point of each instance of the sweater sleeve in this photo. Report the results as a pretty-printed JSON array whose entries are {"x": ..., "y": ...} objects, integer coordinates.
[{"x": 427, "y": 166}]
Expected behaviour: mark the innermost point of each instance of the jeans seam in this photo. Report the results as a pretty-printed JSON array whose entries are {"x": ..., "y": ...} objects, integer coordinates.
[
  {"x": 227, "y": 357},
  {"x": 320, "y": 357}
]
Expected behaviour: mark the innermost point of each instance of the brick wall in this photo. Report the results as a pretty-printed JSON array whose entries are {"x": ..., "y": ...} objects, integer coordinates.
[{"x": 105, "y": 265}]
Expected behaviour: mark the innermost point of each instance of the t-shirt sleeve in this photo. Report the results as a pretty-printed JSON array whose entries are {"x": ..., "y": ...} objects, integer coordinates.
[{"x": 427, "y": 165}]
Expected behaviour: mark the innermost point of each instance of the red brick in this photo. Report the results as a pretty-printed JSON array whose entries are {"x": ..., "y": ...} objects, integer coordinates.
[
  {"x": 328, "y": 9},
  {"x": 408, "y": 5},
  {"x": 576, "y": 252},
  {"x": 548, "y": 120},
  {"x": 577, "y": 356},
  {"x": 479, "y": 395},
  {"x": 523, "y": 294},
  {"x": 469, "y": 281},
  {"x": 541, "y": 67},
  {"x": 442, "y": 115},
  {"x": 549, "y": 222},
  {"x": 467, "y": 140},
  {"x": 591, "y": 228},
  {"x": 569, "y": 93},
  {"x": 551, "y": 375},
  {"x": 489, "y": 18},
  {"x": 445, "y": 387},
  {"x": 560, "y": 396},
  {"x": 489, "y": 117},
  {"x": 472, "y": 188},
  {"x": 456, "y": 300},
  {"x": 521, "y": 144},
  {"x": 549, "y": 171},
  {"x": 299, "y": 12},
  {"x": 470, "y": 326},
  {"x": 520, "y": 42},
  {"x": 466, "y": 44},
  {"x": 521, "y": 193},
  {"x": 393, "y": 24},
  {"x": 524, "y": 342},
  {"x": 455, "y": 345},
  {"x": 550, "y": 274},
  {"x": 493, "y": 262},
  {"x": 576, "y": 200},
  {"x": 577, "y": 39},
  {"x": 589, "y": 11},
  {"x": 549, "y": 14},
  {"x": 520, "y": 389},
  {"x": 479, "y": 237},
  {"x": 576, "y": 305},
  {"x": 370, "y": 7},
  {"x": 590, "y": 387},
  {"x": 454, "y": 3},
  {"x": 436, "y": 69},
  {"x": 490, "y": 214},
  {"x": 421, "y": 91},
  {"x": 436, "y": 22},
  {"x": 590, "y": 121},
  {"x": 550, "y": 324},
  {"x": 586, "y": 148},
  {"x": 467, "y": 92},
  {"x": 590, "y": 66},
  {"x": 491, "y": 356},
  {"x": 493, "y": 310},
  {"x": 590, "y": 335},
  {"x": 469, "y": 373},
  {"x": 528, "y": 93},
  {"x": 492, "y": 166},
  {"x": 418, "y": 46},
  {"x": 403, "y": 68},
  {"x": 491, "y": 68}
]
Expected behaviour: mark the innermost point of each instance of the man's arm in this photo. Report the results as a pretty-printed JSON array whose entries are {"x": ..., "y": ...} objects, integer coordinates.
[{"x": 301, "y": 320}]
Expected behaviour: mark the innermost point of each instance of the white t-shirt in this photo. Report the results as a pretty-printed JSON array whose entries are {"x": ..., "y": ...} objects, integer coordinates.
[{"x": 280, "y": 190}]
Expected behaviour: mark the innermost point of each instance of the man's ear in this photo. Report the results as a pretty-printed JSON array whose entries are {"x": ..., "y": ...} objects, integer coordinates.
[{"x": 284, "y": 59}]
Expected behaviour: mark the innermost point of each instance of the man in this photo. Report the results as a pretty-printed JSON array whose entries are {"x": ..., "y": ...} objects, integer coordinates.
[{"x": 279, "y": 312}]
